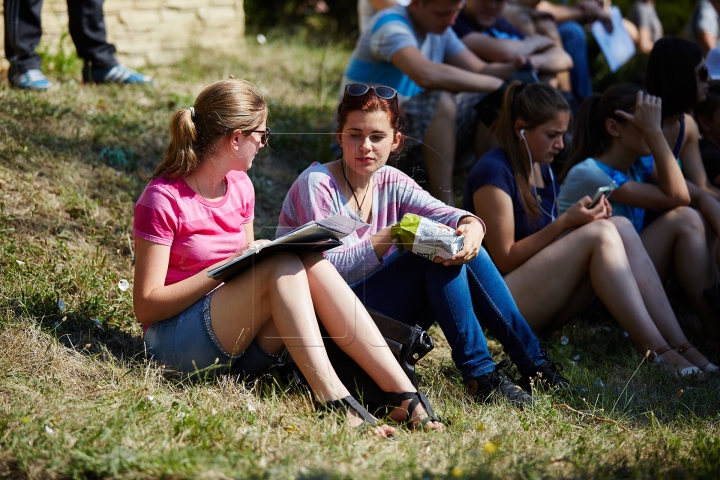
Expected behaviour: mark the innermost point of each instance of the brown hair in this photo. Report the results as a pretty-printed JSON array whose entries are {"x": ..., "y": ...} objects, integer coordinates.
[
  {"x": 534, "y": 104},
  {"x": 220, "y": 108},
  {"x": 590, "y": 137},
  {"x": 369, "y": 103}
]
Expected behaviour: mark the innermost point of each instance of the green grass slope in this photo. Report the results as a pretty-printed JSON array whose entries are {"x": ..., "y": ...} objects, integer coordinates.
[{"x": 78, "y": 399}]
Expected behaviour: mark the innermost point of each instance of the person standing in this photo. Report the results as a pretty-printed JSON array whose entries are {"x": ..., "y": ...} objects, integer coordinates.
[
  {"x": 87, "y": 30},
  {"x": 703, "y": 26}
]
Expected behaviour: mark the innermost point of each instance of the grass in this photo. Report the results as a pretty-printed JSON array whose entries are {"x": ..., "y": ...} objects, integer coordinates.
[{"x": 79, "y": 399}]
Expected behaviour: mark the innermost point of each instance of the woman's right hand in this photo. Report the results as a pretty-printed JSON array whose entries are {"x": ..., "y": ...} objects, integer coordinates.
[
  {"x": 579, "y": 214},
  {"x": 648, "y": 113}
]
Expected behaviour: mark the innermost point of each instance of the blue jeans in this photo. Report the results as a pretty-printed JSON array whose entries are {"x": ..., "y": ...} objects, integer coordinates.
[
  {"x": 575, "y": 44},
  {"x": 463, "y": 300}
]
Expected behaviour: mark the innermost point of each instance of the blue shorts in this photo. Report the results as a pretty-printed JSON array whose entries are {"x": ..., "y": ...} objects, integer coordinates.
[{"x": 187, "y": 343}]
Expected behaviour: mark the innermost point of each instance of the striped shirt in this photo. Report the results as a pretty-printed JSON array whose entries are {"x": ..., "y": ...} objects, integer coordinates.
[
  {"x": 390, "y": 31},
  {"x": 316, "y": 195},
  {"x": 199, "y": 233}
]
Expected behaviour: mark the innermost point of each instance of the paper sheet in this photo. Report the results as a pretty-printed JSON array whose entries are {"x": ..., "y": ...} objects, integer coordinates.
[{"x": 617, "y": 46}]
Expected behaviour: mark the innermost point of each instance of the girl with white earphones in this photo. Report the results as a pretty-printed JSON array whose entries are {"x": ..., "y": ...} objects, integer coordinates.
[{"x": 556, "y": 264}]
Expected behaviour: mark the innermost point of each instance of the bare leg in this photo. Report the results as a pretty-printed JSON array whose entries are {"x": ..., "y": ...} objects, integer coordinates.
[
  {"x": 276, "y": 292},
  {"x": 596, "y": 250},
  {"x": 347, "y": 321},
  {"x": 652, "y": 291},
  {"x": 439, "y": 148},
  {"x": 678, "y": 236}
]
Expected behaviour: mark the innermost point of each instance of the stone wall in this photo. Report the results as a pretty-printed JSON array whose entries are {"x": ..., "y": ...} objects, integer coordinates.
[{"x": 152, "y": 32}]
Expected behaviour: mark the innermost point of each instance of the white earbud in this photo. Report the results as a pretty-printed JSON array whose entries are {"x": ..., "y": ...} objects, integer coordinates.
[{"x": 550, "y": 214}]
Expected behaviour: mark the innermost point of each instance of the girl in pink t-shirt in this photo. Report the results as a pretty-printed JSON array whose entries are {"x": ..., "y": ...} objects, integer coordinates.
[{"x": 196, "y": 214}]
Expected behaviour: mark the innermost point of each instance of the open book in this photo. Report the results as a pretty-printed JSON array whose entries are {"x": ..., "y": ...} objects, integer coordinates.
[{"x": 316, "y": 236}]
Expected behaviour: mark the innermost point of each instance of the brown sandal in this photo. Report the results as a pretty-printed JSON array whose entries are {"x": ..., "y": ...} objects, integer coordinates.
[{"x": 707, "y": 368}]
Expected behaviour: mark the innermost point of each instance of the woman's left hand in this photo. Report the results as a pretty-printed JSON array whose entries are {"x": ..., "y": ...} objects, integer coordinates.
[
  {"x": 474, "y": 234},
  {"x": 254, "y": 243}
]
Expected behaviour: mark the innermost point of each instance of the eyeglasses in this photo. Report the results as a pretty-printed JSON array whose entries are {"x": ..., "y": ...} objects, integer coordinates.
[
  {"x": 703, "y": 74},
  {"x": 358, "y": 90},
  {"x": 265, "y": 135}
]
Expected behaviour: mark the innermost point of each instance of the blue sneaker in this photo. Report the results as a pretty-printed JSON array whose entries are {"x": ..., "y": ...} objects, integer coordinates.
[
  {"x": 32, "y": 79},
  {"x": 117, "y": 74}
]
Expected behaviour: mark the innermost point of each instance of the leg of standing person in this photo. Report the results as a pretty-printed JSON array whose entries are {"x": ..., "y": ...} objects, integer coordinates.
[
  {"x": 87, "y": 29},
  {"x": 575, "y": 44},
  {"x": 22, "y": 36}
]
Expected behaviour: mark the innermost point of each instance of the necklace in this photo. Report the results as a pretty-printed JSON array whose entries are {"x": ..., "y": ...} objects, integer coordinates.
[
  {"x": 359, "y": 204},
  {"x": 197, "y": 184}
]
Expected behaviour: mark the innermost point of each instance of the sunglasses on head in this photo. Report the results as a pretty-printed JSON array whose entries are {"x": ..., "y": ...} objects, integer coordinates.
[
  {"x": 358, "y": 90},
  {"x": 265, "y": 135},
  {"x": 703, "y": 73}
]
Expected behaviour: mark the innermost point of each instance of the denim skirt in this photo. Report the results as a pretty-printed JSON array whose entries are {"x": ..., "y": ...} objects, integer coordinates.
[{"x": 186, "y": 343}]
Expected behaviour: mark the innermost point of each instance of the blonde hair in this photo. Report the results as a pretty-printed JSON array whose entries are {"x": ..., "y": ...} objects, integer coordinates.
[{"x": 220, "y": 108}]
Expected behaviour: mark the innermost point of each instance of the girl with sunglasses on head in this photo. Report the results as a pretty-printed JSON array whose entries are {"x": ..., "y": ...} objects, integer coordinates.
[
  {"x": 619, "y": 138},
  {"x": 556, "y": 263},
  {"x": 196, "y": 214},
  {"x": 464, "y": 294}
]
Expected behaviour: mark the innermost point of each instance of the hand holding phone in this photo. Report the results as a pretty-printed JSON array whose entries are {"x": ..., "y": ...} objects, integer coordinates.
[{"x": 606, "y": 190}]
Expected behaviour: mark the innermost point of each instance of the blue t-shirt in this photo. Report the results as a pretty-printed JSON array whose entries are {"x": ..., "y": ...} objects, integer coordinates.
[
  {"x": 585, "y": 177},
  {"x": 493, "y": 168},
  {"x": 390, "y": 31},
  {"x": 501, "y": 29}
]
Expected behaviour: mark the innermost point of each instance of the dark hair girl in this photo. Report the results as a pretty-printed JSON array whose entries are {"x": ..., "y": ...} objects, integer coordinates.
[
  {"x": 676, "y": 72},
  {"x": 555, "y": 264}
]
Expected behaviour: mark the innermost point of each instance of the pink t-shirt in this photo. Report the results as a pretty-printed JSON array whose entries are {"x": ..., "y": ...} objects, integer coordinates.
[{"x": 199, "y": 233}]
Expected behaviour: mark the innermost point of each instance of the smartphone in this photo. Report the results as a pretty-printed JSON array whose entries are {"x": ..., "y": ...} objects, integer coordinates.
[{"x": 606, "y": 190}]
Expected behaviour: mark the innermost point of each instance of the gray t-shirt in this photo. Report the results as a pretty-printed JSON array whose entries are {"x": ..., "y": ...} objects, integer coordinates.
[
  {"x": 643, "y": 15},
  {"x": 703, "y": 19},
  {"x": 366, "y": 11}
]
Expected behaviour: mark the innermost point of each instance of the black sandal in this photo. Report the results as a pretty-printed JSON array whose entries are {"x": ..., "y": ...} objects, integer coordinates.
[
  {"x": 394, "y": 400},
  {"x": 344, "y": 404}
]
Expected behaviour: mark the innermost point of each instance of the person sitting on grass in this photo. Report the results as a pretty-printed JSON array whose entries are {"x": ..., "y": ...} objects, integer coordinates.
[
  {"x": 619, "y": 138},
  {"x": 196, "y": 214},
  {"x": 464, "y": 294},
  {"x": 413, "y": 50},
  {"x": 491, "y": 37},
  {"x": 555, "y": 264},
  {"x": 676, "y": 72},
  {"x": 707, "y": 114}
]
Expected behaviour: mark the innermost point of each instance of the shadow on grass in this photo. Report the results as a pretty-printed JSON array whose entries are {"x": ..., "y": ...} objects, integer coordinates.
[{"x": 79, "y": 329}]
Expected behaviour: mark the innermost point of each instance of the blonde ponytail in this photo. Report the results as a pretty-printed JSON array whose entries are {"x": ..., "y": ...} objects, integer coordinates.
[{"x": 221, "y": 108}]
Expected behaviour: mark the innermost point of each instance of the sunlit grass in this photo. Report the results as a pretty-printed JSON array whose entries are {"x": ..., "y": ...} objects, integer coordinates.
[{"x": 78, "y": 398}]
